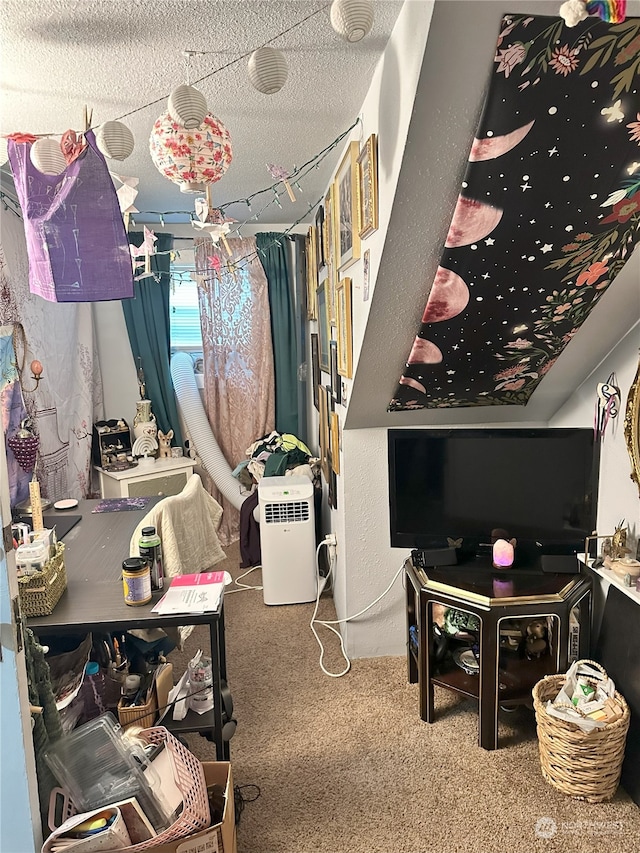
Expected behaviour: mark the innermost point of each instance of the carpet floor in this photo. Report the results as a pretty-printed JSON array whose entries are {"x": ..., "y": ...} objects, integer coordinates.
[{"x": 345, "y": 765}]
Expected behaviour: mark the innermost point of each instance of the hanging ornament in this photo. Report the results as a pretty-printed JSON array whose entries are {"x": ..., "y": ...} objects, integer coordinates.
[
  {"x": 191, "y": 158},
  {"x": 280, "y": 174},
  {"x": 212, "y": 221},
  {"x": 126, "y": 193},
  {"x": 352, "y": 19},
  {"x": 47, "y": 157},
  {"x": 24, "y": 445},
  {"x": 115, "y": 140},
  {"x": 268, "y": 70},
  {"x": 72, "y": 145},
  {"x": 187, "y": 106}
]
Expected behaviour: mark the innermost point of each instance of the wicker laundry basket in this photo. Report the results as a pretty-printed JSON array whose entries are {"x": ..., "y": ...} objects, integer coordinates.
[{"x": 584, "y": 765}]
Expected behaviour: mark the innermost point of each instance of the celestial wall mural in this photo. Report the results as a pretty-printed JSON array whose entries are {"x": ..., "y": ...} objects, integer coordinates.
[{"x": 548, "y": 214}]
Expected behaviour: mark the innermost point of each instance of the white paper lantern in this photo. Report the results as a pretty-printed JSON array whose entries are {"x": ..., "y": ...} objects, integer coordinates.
[
  {"x": 47, "y": 156},
  {"x": 187, "y": 106},
  {"x": 352, "y": 19},
  {"x": 115, "y": 140},
  {"x": 268, "y": 70}
]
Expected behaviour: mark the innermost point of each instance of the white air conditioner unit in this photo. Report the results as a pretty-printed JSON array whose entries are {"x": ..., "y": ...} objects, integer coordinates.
[{"x": 287, "y": 540}]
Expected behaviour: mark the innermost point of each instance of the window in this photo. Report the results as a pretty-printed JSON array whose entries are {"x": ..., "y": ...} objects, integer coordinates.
[{"x": 184, "y": 311}]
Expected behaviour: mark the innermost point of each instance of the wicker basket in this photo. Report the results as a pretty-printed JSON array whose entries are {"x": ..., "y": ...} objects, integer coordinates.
[
  {"x": 584, "y": 765},
  {"x": 40, "y": 592}
]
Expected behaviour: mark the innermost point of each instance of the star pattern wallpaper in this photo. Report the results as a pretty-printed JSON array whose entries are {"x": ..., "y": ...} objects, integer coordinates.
[{"x": 547, "y": 216}]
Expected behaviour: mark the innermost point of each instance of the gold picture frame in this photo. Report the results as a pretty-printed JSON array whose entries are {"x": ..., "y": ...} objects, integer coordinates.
[
  {"x": 312, "y": 276},
  {"x": 368, "y": 187},
  {"x": 344, "y": 328},
  {"x": 632, "y": 427},
  {"x": 328, "y": 226},
  {"x": 334, "y": 442},
  {"x": 346, "y": 204}
]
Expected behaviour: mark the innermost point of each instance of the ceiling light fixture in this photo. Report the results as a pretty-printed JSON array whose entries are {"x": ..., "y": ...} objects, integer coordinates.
[
  {"x": 352, "y": 19},
  {"x": 187, "y": 106},
  {"x": 268, "y": 70},
  {"x": 47, "y": 157}
]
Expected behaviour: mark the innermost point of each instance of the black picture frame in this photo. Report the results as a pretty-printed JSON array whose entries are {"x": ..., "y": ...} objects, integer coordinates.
[
  {"x": 321, "y": 255},
  {"x": 315, "y": 367},
  {"x": 336, "y": 383}
]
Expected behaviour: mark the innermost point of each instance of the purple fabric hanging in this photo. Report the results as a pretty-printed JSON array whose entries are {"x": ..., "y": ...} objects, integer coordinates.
[{"x": 76, "y": 240}]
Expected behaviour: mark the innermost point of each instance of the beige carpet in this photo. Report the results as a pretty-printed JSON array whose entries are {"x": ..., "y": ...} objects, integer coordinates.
[{"x": 345, "y": 765}]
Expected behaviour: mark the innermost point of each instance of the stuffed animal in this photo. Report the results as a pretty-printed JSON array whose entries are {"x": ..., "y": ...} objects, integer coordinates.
[
  {"x": 536, "y": 639},
  {"x": 164, "y": 442}
]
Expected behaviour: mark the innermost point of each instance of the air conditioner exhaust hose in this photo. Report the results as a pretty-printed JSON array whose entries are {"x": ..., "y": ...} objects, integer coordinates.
[{"x": 195, "y": 417}]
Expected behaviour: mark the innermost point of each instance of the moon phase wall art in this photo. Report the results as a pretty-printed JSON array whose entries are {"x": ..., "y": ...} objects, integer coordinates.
[{"x": 547, "y": 216}]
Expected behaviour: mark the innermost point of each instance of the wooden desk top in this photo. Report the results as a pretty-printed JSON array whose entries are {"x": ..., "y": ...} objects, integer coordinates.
[{"x": 94, "y": 597}]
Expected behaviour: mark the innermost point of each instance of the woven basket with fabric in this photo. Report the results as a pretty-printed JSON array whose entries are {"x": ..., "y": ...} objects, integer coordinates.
[
  {"x": 584, "y": 765},
  {"x": 41, "y": 591}
]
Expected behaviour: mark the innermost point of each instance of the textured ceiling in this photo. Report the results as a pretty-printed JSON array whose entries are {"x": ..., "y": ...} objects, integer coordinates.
[{"x": 116, "y": 56}]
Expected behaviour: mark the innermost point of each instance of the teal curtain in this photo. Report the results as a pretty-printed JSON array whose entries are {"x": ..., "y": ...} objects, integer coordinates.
[
  {"x": 273, "y": 253},
  {"x": 147, "y": 318}
]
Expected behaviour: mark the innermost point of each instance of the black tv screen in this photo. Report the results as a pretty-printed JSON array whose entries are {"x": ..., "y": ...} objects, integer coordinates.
[{"x": 540, "y": 485}]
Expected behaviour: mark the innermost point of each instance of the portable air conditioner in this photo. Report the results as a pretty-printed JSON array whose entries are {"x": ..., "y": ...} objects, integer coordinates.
[{"x": 287, "y": 540}]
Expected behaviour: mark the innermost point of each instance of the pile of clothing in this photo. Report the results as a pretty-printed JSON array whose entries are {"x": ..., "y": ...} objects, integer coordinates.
[{"x": 274, "y": 455}]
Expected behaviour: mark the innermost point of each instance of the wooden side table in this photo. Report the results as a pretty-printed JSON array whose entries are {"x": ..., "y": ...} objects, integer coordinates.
[
  {"x": 163, "y": 477},
  {"x": 493, "y": 597}
]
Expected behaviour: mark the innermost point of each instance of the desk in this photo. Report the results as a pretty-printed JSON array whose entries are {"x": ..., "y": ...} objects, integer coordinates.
[
  {"x": 94, "y": 601},
  {"x": 503, "y": 678}
]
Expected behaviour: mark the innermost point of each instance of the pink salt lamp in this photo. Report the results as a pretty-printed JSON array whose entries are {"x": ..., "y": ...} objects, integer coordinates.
[{"x": 503, "y": 553}]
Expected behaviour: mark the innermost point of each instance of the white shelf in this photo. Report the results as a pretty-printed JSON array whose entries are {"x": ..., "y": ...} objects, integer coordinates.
[{"x": 614, "y": 579}]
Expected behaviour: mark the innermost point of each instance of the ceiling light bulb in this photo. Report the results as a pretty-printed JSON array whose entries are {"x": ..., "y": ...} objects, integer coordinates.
[
  {"x": 352, "y": 19},
  {"x": 187, "y": 106},
  {"x": 115, "y": 140},
  {"x": 268, "y": 70}
]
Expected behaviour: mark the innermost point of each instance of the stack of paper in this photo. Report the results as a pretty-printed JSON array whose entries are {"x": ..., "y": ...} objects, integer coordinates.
[{"x": 198, "y": 593}]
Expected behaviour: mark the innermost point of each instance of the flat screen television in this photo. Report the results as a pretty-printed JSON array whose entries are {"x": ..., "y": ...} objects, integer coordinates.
[{"x": 540, "y": 485}]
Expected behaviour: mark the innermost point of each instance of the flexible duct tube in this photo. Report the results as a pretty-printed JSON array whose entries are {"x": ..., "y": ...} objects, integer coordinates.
[{"x": 195, "y": 417}]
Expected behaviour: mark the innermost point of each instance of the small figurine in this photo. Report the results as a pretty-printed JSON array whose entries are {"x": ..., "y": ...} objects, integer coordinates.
[
  {"x": 535, "y": 644},
  {"x": 164, "y": 442},
  {"x": 619, "y": 542}
]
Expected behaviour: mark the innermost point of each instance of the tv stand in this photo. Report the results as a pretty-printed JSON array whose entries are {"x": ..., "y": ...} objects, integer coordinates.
[{"x": 500, "y": 600}]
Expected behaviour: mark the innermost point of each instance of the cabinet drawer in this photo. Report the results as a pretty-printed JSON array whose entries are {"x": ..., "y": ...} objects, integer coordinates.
[{"x": 168, "y": 484}]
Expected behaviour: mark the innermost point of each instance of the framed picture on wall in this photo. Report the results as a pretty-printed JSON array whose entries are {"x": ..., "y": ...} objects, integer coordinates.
[
  {"x": 324, "y": 330},
  {"x": 311, "y": 277},
  {"x": 320, "y": 253},
  {"x": 329, "y": 225},
  {"x": 323, "y": 427},
  {"x": 334, "y": 441},
  {"x": 346, "y": 208},
  {"x": 368, "y": 187},
  {"x": 345, "y": 332},
  {"x": 336, "y": 382},
  {"x": 315, "y": 367}
]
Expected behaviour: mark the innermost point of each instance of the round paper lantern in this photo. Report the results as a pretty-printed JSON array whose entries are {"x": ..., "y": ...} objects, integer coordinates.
[
  {"x": 191, "y": 158},
  {"x": 268, "y": 70},
  {"x": 47, "y": 156},
  {"x": 115, "y": 140},
  {"x": 187, "y": 106},
  {"x": 352, "y": 19}
]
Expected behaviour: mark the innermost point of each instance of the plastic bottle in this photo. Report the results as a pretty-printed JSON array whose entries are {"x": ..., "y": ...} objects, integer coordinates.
[
  {"x": 92, "y": 691},
  {"x": 150, "y": 548}
]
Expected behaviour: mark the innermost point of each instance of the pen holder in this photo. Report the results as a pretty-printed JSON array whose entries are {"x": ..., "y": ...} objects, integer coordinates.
[{"x": 145, "y": 715}]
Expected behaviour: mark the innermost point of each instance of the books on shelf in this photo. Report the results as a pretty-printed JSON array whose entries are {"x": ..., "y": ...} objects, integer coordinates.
[{"x": 198, "y": 593}]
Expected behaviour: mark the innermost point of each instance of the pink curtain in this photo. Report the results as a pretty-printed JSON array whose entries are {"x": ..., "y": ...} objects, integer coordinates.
[{"x": 238, "y": 354}]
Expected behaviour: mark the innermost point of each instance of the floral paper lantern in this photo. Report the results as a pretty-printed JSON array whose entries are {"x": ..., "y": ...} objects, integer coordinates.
[
  {"x": 191, "y": 158},
  {"x": 115, "y": 140},
  {"x": 46, "y": 155}
]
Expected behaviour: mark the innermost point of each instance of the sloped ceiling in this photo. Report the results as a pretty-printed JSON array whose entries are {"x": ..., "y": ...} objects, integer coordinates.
[
  {"x": 116, "y": 56},
  {"x": 451, "y": 91}
]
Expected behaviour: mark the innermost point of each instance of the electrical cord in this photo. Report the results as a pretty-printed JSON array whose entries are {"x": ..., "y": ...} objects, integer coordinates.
[
  {"x": 329, "y": 623},
  {"x": 243, "y": 586}
]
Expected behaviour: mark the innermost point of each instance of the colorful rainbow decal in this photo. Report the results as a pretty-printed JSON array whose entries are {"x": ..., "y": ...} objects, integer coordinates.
[{"x": 611, "y": 11}]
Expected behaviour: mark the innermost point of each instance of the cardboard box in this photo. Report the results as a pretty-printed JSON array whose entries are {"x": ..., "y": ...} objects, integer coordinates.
[{"x": 220, "y": 838}]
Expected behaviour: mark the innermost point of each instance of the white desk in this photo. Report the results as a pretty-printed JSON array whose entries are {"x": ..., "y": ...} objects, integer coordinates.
[{"x": 161, "y": 477}]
